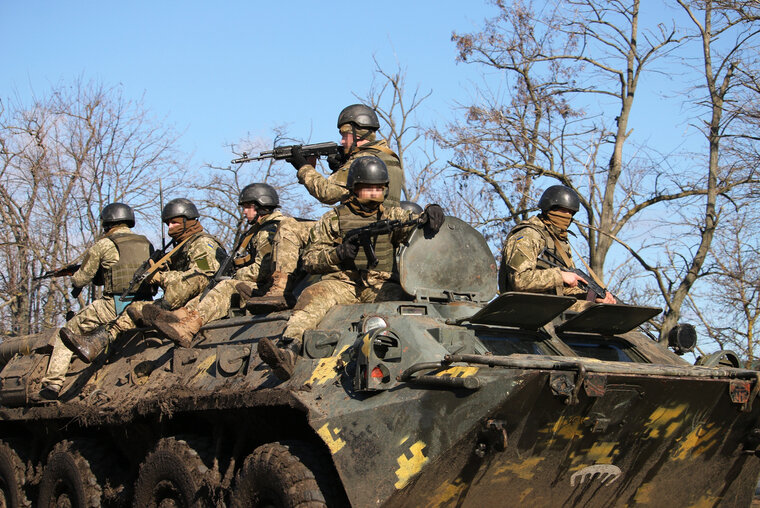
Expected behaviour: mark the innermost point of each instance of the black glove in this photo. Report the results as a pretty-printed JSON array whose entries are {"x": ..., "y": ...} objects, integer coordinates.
[
  {"x": 432, "y": 218},
  {"x": 335, "y": 161},
  {"x": 348, "y": 249},
  {"x": 296, "y": 157},
  {"x": 75, "y": 292}
]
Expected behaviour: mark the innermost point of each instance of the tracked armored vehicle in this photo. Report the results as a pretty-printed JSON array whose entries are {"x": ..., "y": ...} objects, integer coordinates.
[{"x": 455, "y": 397}]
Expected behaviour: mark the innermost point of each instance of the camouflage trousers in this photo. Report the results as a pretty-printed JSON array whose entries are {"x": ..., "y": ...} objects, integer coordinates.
[
  {"x": 318, "y": 299},
  {"x": 98, "y": 313},
  {"x": 291, "y": 237},
  {"x": 216, "y": 304},
  {"x": 176, "y": 295}
]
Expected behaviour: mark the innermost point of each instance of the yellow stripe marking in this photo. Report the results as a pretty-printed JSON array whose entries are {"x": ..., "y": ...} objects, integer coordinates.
[
  {"x": 410, "y": 467},
  {"x": 333, "y": 443},
  {"x": 458, "y": 372},
  {"x": 326, "y": 369}
]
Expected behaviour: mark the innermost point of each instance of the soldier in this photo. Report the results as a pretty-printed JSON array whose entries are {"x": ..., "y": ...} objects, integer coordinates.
[
  {"x": 358, "y": 125},
  {"x": 522, "y": 265},
  {"x": 185, "y": 272},
  {"x": 110, "y": 262},
  {"x": 253, "y": 269},
  {"x": 347, "y": 276}
]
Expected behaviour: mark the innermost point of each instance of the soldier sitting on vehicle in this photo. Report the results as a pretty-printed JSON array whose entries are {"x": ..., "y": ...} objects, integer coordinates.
[
  {"x": 110, "y": 262},
  {"x": 523, "y": 266},
  {"x": 348, "y": 276},
  {"x": 183, "y": 274},
  {"x": 253, "y": 270}
]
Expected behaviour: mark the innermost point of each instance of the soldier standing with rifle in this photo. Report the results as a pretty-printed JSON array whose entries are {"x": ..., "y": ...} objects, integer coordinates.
[
  {"x": 350, "y": 275},
  {"x": 110, "y": 262},
  {"x": 251, "y": 258},
  {"x": 535, "y": 247},
  {"x": 182, "y": 273}
]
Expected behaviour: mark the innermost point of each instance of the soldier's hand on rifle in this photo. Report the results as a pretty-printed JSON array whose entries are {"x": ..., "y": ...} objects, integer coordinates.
[
  {"x": 75, "y": 292},
  {"x": 296, "y": 157},
  {"x": 432, "y": 218},
  {"x": 335, "y": 161},
  {"x": 348, "y": 249},
  {"x": 608, "y": 298},
  {"x": 571, "y": 279},
  {"x": 157, "y": 278}
]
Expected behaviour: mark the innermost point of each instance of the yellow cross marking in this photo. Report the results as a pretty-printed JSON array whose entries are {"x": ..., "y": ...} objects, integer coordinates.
[
  {"x": 410, "y": 467},
  {"x": 333, "y": 443},
  {"x": 326, "y": 369}
]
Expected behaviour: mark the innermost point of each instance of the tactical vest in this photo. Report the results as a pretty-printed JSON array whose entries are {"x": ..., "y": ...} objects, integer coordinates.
[
  {"x": 386, "y": 261},
  {"x": 180, "y": 261},
  {"x": 134, "y": 250},
  {"x": 249, "y": 247},
  {"x": 541, "y": 263}
]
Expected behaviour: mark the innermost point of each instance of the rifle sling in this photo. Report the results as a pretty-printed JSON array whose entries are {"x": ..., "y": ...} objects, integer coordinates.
[{"x": 158, "y": 264}]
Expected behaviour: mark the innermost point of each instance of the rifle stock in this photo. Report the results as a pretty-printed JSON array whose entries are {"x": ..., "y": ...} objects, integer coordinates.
[{"x": 364, "y": 235}]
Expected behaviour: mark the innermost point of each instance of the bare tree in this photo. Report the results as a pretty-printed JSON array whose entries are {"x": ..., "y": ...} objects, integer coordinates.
[{"x": 63, "y": 157}]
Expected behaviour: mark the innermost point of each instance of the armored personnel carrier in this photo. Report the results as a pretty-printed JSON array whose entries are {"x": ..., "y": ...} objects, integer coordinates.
[{"x": 455, "y": 397}]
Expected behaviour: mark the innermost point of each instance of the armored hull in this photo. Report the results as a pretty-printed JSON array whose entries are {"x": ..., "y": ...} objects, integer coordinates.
[{"x": 451, "y": 398}]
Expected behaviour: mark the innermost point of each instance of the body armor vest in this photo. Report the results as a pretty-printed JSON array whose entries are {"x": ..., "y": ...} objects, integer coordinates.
[
  {"x": 134, "y": 250},
  {"x": 391, "y": 161},
  {"x": 540, "y": 262},
  {"x": 248, "y": 254},
  {"x": 386, "y": 261},
  {"x": 180, "y": 261}
]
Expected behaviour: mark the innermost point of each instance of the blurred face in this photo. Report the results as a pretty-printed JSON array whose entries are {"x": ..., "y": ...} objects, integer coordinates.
[
  {"x": 249, "y": 211},
  {"x": 346, "y": 140},
  {"x": 372, "y": 192},
  {"x": 175, "y": 224}
]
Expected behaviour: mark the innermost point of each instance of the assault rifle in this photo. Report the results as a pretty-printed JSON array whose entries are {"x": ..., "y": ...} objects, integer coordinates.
[
  {"x": 60, "y": 272},
  {"x": 286, "y": 152},
  {"x": 590, "y": 285},
  {"x": 146, "y": 270},
  {"x": 224, "y": 268},
  {"x": 363, "y": 235}
]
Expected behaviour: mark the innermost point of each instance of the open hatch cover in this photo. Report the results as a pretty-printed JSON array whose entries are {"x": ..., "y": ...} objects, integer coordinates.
[
  {"x": 608, "y": 319},
  {"x": 522, "y": 310},
  {"x": 455, "y": 264}
]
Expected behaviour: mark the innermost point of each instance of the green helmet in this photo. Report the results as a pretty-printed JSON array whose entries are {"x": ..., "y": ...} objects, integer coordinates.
[{"x": 411, "y": 206}]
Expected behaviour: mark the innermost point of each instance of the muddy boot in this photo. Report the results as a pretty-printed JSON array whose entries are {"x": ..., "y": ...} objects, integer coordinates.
[
  {"x": 135, "y": 313},
  {"x": 181, "y": 326},
  {"x": 49, "y": 391},
  {"x": 154, "y": 312},
  {"x": 274, "y": 299},
  {"x": 87, "y": 347},
  {"x": 282, "y": 361}
]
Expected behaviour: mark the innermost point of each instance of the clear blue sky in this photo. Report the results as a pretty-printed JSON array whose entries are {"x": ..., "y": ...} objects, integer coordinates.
[{"x": 220, "y": 70}]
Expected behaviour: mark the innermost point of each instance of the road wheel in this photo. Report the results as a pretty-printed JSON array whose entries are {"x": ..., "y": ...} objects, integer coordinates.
[
  {"x": 12, "y": 478},
  {"x": 284, "y": 475},
  {"x": 68, "y": 480},
  {"x": 172, "y": 475}
]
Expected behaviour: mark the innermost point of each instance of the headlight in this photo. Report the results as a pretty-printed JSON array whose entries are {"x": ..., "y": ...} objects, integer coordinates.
[{"x": 372, "y": 323}]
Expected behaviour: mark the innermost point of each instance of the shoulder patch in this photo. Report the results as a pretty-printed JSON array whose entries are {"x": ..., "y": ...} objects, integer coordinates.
[{"x": 203, "y": 263}]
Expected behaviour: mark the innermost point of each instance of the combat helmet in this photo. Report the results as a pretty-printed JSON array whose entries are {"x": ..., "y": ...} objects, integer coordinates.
[
  {"x": 261, "y": 194},
  {"x": 367, "y": 170},
  {"x": 117, "y": 213},
  {"x": 559, "y": 196},
  {"x": 359, "y": 115},
  {"x": 180, "y": 207}
]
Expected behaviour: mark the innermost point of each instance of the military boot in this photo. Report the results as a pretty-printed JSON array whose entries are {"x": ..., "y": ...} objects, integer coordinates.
[
  {"x": 274, "y": 299},
  {"x": 137, "y": 314},
  {"x": 180, "y": 325},
  {"x": 153, "y": 311},
  {"x": 87, "y": 347},
  {"x": 282, "y": 360}
]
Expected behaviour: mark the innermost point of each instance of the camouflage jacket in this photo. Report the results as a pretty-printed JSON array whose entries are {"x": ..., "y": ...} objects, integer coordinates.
[
  {"x": 260, "y": 270},
  {"x": 320, "y": 255},
  {"x": 522, "y": 268},
  {"x": 202, "y": 254},
  {"x": 333, "y": 189},
  {"x": 102, "y": 254}
]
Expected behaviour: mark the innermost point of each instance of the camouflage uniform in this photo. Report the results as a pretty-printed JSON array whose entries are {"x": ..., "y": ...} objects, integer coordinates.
[
  {"x": 339, "y": 285},
  {"x": 188, "y": 275},
  {"x": 102, "y": 256},
  {"x": 522, "y": 268},
  {"x": 216, "y": 304},
  {"x": 333, "y": 189},
  {"x": 290, "y": 239}
]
